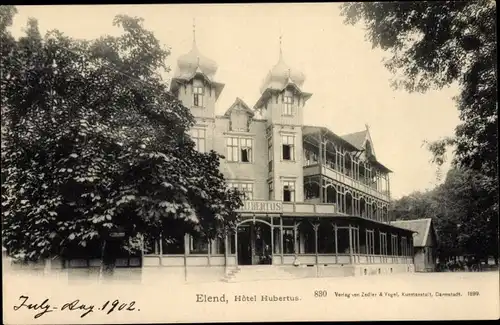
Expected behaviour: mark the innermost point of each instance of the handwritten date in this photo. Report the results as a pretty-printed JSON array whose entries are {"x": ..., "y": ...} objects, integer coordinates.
[{"x": 76, "y": 305}]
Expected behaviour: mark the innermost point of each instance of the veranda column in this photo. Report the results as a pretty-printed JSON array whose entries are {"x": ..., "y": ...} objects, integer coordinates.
[
  {"x": 160, "y": 249},
  {"x": 281, "y": 241},
  {"x": 388, "y": 186},
  {"x": 358, "y": 251},
  {"x": 316, "y": 227},
  {"x": 209, "y": 252},
  {"x": 272, "y": 241},
  {"x": 236, "y": 244},
  {"x": 226, "y": 247},
  {"x": 336, "y": 243},
  {"x": 350, "y": 244},
  {"x": 186, "y": 249},
  {"x": 320, "y": 150},
  {"x": 295, "y": 235},
  {"x": 367, "y": 247}
]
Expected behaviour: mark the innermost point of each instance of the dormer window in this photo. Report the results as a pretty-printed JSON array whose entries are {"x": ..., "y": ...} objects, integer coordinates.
[
  {"x": 287, "y": 105},
  {"x": 198, "y": 94}
]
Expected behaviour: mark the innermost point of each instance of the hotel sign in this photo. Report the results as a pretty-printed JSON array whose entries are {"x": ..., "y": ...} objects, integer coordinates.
[{"x": 261, "y": 207}]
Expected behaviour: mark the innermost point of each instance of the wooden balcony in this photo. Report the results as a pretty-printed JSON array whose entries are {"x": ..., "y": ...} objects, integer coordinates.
[
  {"x": 313, "y": 209},
  {"x": 317, "y": 169}
]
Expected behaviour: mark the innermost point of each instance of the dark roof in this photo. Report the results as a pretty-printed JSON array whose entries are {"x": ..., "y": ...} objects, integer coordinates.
[
  {"x": 269, "y": 91},
  {"x": 308, "y": 129},
  {"x": 177, "y": 82},
  {"x": 357, "y": 139},
  {"x": 377, "y": 163},
  {"x": 422, "y": 227}
]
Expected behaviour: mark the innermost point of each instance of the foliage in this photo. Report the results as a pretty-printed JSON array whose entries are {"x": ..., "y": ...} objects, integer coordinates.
[
  {"x": 463, "y": 225},
  {"x": 434, "y": 44},
  {"x": 94, "y": 142}
]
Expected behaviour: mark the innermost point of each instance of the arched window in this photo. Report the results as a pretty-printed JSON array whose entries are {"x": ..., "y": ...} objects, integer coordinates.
[
  {"x": 385, "y": 215},
  {"x": 331, "y": 194},
  {"x": 362, "y": 207},
  {"x": 348, "y": 203},
  {"x": 348, "y": 164},
  {"x": 311, "y": 190}
]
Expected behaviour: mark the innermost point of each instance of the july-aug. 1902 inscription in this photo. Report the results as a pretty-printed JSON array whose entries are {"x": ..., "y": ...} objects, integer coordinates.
[{"x": 45, "y": 307}]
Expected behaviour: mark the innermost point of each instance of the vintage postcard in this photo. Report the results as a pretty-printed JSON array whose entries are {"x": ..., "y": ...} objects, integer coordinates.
[{"x": 249, "y": 162}]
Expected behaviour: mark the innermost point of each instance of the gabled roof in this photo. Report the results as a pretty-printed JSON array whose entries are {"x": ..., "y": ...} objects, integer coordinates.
[
  {"x": 357, "y": 139},
  {"x": 422, "y": 227},
  {"x": 311, "y": 129},
  {"x": 239, "y": 102}
]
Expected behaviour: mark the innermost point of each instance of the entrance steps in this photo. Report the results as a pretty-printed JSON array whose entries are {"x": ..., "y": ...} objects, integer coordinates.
[{"x": 257, "y": 272}]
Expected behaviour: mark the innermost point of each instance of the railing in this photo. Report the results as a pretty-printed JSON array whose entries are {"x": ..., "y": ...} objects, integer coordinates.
[
  {"x": 316, "y": 169},
  {"x": 300, "y": 207}
]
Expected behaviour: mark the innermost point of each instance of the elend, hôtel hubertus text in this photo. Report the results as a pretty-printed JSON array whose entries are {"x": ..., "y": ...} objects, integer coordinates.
[{"x": 204, "y": 298}]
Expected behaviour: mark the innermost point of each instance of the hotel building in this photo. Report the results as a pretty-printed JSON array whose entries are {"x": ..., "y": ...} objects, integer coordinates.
[{"x": 312, "y": 198}]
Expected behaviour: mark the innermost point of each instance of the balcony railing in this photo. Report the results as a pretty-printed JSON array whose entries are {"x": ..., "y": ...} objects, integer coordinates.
[
  {"x": 300, "y": 207},
  {"x": 311, "y": 169}
]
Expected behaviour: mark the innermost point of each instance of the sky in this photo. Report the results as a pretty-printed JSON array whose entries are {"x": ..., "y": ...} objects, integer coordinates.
[{"x": 350, "y": 85}]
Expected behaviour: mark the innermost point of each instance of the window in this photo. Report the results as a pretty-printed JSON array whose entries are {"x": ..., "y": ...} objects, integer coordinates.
[
  {"x": 270, "y": 190},
  {"x": 151, "y": 245},
  {"x": 198, "y": 245},
  {"x": 288, "y": 144},
  {"x": 383, "y": 243},
  {"x": 404, "y": 247},
  {"x": 246, "y": 150},
  {"x": 198, "y": 136},
  {"x": 232, "y": 149},
  {"x": 287, "y": 105},
  {"x": 198, "y": 96},
  {"x": 288, "y": 241},
  {"x": 239, "y": 149},
  {"x": 246, "y": 189},
  {"x": 218, "y": 246},
  {"x": 288, "y": 191},
  {"x": 394, "y": 246},
  {"x": 270, "y": 154},
  {"x": 173, "y": 244},
  {"x": 371, "y": 242}
]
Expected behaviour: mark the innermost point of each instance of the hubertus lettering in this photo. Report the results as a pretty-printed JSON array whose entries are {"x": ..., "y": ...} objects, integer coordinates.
[{"x": 263, "y": 206}]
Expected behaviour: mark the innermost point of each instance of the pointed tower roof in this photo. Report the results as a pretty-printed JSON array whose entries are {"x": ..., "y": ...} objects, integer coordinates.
[
  {"x": 282, "y": 74},
  {"x": 195, "y": 62}
]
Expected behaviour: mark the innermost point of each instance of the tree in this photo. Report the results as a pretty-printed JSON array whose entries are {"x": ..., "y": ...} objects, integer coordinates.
[
  {"x": 464, "y": 195},
  {"x": 463, "y": 225},
  {"x": 95, "y": 143},
  {"x": 434, "y": 44},
  {"x": 414, "y": 206}
]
